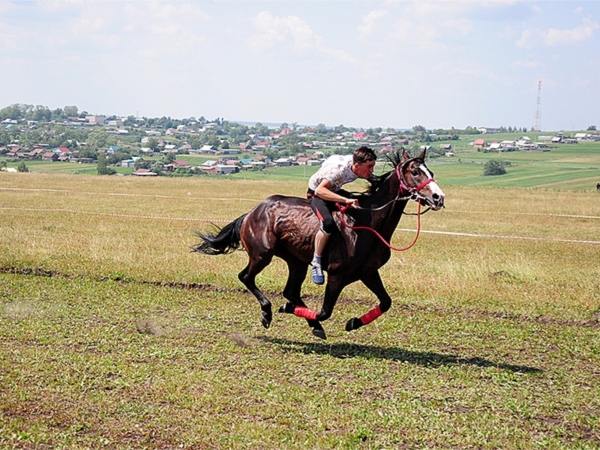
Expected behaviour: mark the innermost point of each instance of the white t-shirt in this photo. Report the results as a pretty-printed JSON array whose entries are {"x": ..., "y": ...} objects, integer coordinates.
[{"x": 336, "y": 169}]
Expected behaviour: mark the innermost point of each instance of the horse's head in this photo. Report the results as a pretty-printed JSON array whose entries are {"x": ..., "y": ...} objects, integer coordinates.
[{"x": 417, "y": 180}]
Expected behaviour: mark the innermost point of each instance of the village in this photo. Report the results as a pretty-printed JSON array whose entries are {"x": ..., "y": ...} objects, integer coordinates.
[{"x": 230, "y": 148}]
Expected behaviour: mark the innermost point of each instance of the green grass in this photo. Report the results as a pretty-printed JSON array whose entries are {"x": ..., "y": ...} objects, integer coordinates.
[{"x": 114, "y": 335}]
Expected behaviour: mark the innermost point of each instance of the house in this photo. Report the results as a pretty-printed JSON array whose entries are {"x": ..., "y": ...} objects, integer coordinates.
[
  {"x": 33, "y": 154},
  {"x": 314, "y": 162},
  {"x": 508, "y": 146},
  {"x": 283, "y": 162},
  {"x": 488, "y": 130},
  {"x": 180, "y": 163},
  {"x": 144, "y": 173},
  {"x": 223, "y": 169},
  {"x": 258, "y": 164},
  {"x": 230, "y": 151},
  {"x": 208, "y": 149},
  {"x": 95, "y": 120},
  {"x": 208, "y": 166},
  {"x": 49, "y": 156},
  {"x": 479, "y": 143},
  {"x": 127, "y": 163}
]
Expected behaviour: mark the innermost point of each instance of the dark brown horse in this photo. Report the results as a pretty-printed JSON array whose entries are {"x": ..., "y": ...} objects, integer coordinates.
[{"x": 286, "y": 226}]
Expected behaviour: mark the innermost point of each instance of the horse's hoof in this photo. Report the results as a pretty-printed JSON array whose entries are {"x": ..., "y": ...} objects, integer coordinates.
[
  {"x": 353, "y": 324},
  {"x": 287, "y": 308},
  {"x": 266, "y": 320},
  {"x": 320, "y": 333}
]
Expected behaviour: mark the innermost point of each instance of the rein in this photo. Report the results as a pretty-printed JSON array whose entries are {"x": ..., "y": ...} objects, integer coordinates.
[
  {"x": 414, "y": 194},
  {"x": 343, "y": 210}
]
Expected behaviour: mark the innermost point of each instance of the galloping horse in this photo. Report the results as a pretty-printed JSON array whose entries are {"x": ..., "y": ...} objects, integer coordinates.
[{"x": 286, "y": 226}]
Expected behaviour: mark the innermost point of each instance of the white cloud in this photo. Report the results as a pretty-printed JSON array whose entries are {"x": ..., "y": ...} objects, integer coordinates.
[
  {"x": 583, "y": 32},
  {"x": 533, "y": 37},
  {"x": 369, "y": 22},
  {"x": 417, "y": 34},
  {"x": 526, "y": 64},
  {"x": 270, "y": 30},
  {"x": 291, "y": 31}
]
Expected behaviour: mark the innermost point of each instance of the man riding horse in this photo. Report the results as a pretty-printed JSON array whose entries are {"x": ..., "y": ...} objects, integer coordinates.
[{"x": 325, "y": 190}]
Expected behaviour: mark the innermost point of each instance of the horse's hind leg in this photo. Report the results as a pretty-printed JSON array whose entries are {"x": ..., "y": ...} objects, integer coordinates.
[
  {"x": 292, "y": 292},
  {"x": 248, "y": 277}
]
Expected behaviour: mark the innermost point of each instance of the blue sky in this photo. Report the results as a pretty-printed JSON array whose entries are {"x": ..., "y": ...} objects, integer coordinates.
[{"x": 439, "y": 64}]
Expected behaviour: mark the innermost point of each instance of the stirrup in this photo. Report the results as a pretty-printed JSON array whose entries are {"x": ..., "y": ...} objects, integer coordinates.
[{"x": 317, "y": 274}]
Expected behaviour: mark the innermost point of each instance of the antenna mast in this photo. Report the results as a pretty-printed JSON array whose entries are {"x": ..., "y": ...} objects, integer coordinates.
[{"x": 538, "y": 112}]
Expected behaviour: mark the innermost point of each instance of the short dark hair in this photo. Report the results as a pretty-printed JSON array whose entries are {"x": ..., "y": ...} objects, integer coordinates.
[{"x": 363, "y": 154}]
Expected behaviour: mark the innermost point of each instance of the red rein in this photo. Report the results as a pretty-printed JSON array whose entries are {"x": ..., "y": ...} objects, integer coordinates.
[
  {"x": 404, "y": 187},
  {"x": 381, "y": 238}
]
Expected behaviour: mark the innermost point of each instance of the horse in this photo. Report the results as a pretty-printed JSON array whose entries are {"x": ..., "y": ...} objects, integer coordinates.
[
  {"x": 285, "y": 227},
  {"x": 598, "y": 186}
]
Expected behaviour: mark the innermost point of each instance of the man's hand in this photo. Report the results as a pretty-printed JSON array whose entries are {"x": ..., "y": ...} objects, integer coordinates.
[{"x": 352, "y": 202}]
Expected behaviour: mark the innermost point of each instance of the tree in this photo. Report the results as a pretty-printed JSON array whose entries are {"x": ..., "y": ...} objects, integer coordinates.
[
  {"x": 321, "y": 129},
  {"x": 22, "y": 167},
  {"x": 142, "y": 164},
  {"x": 591, "y": 128},
  {"x": 103, "y": 168},
  {"x": 494, "y": 167},
  {"x": 169, "y": 157},
  {"x": 71, "y": 111}
]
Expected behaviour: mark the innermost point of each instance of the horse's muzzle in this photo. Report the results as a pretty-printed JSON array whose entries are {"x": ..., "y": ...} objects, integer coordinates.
[{"x": 436, "y": 201}]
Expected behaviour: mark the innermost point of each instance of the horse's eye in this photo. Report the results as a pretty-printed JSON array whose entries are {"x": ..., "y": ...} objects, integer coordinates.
[{"x": 414, "y": 172}]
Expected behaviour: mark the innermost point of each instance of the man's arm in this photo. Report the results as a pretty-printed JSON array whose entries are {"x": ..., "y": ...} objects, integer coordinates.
[{"x": 324, "y": 192}]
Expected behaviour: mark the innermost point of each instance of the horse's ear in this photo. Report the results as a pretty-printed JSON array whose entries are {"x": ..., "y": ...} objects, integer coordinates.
[
  {"x": 422, "y": 155},
  {"x": 405, "y": 155}
]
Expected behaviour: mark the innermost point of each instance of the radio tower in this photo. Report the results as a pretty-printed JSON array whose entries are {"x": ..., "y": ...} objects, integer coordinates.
[{"x": 538, "y": 112}]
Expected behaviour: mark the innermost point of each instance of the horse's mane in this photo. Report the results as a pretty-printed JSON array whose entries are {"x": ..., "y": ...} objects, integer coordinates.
[{"x": 376, "y": 181}]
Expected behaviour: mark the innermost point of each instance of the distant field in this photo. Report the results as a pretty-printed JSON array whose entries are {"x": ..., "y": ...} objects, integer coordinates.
[{"x": 114, "y": 335}]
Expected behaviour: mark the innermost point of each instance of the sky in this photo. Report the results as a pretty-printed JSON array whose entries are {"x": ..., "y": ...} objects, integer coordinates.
[{"x": 362, "y": 64}]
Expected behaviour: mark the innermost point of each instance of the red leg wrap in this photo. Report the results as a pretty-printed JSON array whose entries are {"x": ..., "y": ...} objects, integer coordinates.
[
  {"x": 306, "y": 313},
  {"x": 371, "y": 316}
]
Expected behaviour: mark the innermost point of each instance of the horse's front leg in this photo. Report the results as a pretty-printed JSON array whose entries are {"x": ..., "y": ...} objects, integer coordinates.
[
  {"x": 332, "y": 292},
  {"x": 297, "y": 273},
  {"x": 375, "y": 285}
]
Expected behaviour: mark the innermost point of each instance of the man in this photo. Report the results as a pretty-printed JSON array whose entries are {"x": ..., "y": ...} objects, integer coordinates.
[{"x": 325, "y": 190}]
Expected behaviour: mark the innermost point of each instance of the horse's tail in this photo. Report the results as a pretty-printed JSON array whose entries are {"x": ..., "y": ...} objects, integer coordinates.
[{"x": 227, "y": 240}]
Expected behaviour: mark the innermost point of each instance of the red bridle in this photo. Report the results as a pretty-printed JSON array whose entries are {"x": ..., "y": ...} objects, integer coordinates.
[{"x": 403, "y": 186}]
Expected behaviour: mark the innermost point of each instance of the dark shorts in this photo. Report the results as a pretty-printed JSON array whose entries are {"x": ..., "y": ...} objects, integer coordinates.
[{"x": 323, "y": 209}]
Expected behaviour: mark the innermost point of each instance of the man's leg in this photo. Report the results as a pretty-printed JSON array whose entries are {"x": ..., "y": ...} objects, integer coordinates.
[{"x": 321, "y": 239}]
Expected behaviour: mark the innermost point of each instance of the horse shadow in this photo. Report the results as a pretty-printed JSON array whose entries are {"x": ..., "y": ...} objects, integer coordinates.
[{"x": 427, "y": 359}]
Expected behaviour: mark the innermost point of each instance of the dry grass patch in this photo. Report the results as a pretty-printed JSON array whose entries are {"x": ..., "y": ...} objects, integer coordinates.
[{"x": 114, "y": 335}]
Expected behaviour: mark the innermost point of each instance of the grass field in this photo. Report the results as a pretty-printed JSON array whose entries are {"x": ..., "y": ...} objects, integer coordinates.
[{"x": 114, "y": 335}]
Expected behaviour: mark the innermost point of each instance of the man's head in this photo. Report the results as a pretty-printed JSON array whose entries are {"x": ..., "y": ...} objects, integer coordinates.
[{"x": 363, "y": 162}]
